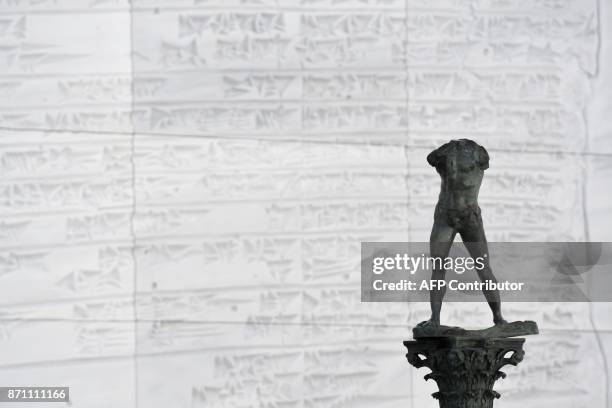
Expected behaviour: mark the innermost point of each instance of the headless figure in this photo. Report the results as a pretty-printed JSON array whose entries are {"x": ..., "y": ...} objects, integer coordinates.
[{"x": 461, "y": 165}]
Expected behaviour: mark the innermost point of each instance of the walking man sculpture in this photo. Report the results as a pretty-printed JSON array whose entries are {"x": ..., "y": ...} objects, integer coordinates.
[
  {"x": 461, "y": 165},
  {"x": 464, "y": 363}
]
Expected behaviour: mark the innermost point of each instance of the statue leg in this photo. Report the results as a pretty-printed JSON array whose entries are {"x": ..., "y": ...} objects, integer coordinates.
[
  {"x": 440, "y": 241},
  {"x": 473, "y": 237}
]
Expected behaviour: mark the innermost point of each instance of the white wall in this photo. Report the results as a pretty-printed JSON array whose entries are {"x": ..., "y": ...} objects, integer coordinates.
[{"x": 185, "y": 185}]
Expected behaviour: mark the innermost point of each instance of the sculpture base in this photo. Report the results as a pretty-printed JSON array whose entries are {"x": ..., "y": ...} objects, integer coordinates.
[
  {"x": 465, "y": 367},
  {"x": 512, "y": 329}
]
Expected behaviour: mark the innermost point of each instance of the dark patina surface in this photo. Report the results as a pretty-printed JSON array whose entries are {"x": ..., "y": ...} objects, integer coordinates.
[{"x": 464, "y": 363}]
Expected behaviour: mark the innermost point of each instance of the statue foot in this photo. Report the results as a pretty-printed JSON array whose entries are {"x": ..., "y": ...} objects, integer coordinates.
[
  {"x": 429, "y": 324},
  {"x": 499, "y": 321}
]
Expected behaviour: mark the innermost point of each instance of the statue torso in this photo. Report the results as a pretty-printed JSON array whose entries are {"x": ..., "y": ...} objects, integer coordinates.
[{"x": 461, "y": 165}]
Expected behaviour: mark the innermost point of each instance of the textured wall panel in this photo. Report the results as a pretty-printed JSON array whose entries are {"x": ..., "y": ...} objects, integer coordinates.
[
  {"x": 211, "y": 259},
  {"x": 66, "y": 262},
  {"x": 258, "y": 243},
  {"x": 291, "y": 70},
  {"x": 65, "y": 65},
  {"x": 95, "y": 384}
]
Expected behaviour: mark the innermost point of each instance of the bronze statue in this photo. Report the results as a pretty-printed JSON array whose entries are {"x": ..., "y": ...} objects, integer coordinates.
[
  {"x": 464, "y": 363},
  {"x": 461, "y": 165}
]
